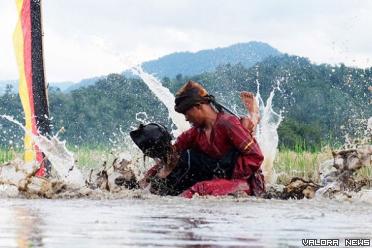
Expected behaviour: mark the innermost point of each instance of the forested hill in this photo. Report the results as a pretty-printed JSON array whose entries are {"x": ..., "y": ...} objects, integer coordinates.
[
  {"x": 187, "y": 63},
  {"x": 320, "y": 102}
]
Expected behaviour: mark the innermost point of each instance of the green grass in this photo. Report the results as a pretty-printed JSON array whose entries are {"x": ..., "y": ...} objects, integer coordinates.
[
  {"x": 6, "y": 155},
  {"x": 91, "y": 157},
  {"x": 299, "y": 163},
  {"x": 84, "y": 156},
  {"x": 288, "y": 163},
  {"x": 306, "y": 165}
]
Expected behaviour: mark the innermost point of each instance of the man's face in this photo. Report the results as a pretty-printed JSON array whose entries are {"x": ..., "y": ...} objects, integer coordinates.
[{"x": 194, "y": 116}]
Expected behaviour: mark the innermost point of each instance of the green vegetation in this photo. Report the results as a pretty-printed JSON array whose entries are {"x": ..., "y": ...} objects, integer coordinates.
[
  {"x": 6, "y": 155},
  {"x": 288, "y": 163},
  {"x": 320, "y": 103},
  {"x": 187, "y": 63},
  {"x": 302, "y": 164},
  {"x": 305, "y": 164},
  {"x": 91, "y": 158}
]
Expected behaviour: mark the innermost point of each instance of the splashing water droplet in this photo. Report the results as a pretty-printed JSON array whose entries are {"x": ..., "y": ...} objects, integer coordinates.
[
  {"x": 55, "y": 150},
  {"x": 142, "y": 117},
  {"x": 267, "y": 132},
  {"x": 165, "y": 96}
]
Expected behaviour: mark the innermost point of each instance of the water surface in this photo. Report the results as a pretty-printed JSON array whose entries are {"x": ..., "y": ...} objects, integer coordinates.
[{"x": 177, "y": 222}]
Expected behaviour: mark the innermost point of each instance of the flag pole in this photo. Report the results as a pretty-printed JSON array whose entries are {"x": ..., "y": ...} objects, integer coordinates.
[
  {"x": 28, "y": 43},
  {"x": 39, "y": 86}
]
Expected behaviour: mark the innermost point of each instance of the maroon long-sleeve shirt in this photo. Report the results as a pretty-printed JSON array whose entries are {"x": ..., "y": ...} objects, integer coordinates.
[{"x": 227, "y": 133}]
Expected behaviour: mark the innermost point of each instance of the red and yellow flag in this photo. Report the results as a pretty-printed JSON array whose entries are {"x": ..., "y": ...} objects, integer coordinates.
[{"x": 32, "y": 87}]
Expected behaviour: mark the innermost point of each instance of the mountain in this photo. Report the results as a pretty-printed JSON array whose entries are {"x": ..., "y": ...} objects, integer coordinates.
[
  {"x": 84, "y": 83},
  {"x": 63, "y": 86},
  {"x": 187, "y": 63},
  {"x": 320, "y": 103}
]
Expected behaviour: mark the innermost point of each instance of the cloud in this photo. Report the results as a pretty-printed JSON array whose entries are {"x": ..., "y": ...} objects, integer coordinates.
[
  {"x": 8, "y": 66},
  {"x": 92, "y": 37}
]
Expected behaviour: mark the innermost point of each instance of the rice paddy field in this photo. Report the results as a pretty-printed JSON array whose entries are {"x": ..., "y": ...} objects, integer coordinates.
[
  {"x": 288, "y": 163},
  {"x": 7, "y": 155}
]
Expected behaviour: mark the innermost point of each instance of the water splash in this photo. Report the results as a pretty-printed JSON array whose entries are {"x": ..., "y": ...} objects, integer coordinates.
[
  {"x": 267, "y": 132},
  {"x": 161, "y": 92},
  {"x": 142, "y": 117},
  {"x": 11, "y": 119},
  {"x": 62, "y": 160},
  {"x": 165, "y": 96}
]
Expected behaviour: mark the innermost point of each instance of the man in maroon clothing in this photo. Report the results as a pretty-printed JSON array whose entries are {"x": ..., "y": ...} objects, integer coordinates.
[{"x": 217, "y": 156}]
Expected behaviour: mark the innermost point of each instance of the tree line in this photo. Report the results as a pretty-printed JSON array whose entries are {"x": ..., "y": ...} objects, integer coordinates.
[{"x": 320, "y": 103}]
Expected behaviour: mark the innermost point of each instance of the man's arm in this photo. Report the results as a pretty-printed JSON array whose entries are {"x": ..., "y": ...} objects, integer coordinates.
[
  {"x": 250, "y": 150},
  {"x": 162, "y": 169},
  {"x": 250, "y": 122},
  {"x": 241, "y": 138},
  {"x": 186, "y": 140}
]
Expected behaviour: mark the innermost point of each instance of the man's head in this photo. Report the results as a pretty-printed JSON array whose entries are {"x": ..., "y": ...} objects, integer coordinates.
[
  {"x": 193, "y": 100},
  {"x": 196, "y": 115},
  {"x": 189, "y": 95}
]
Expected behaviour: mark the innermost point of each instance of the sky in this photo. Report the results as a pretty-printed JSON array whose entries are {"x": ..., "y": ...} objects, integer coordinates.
[{"x": 86, "y": 38}]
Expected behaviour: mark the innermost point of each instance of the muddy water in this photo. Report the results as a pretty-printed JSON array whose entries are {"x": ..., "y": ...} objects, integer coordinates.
[{"x": 173, "y": 222}]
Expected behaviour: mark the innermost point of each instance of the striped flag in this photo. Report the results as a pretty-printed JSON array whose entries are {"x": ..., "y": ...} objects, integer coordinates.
[{"x": 32, "y": 89}]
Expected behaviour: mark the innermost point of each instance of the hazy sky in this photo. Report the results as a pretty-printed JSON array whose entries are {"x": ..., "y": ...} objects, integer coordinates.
[{"x": 85, "y": 38}]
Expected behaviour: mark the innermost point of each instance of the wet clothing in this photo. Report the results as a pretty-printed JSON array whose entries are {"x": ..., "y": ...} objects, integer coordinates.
[
  {"x": 194, "y": 167},
  {"x": 229, "y": 162}
]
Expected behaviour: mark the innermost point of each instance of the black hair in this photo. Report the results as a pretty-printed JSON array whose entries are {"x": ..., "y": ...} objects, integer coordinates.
[{"x": 153, "y": 139}]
